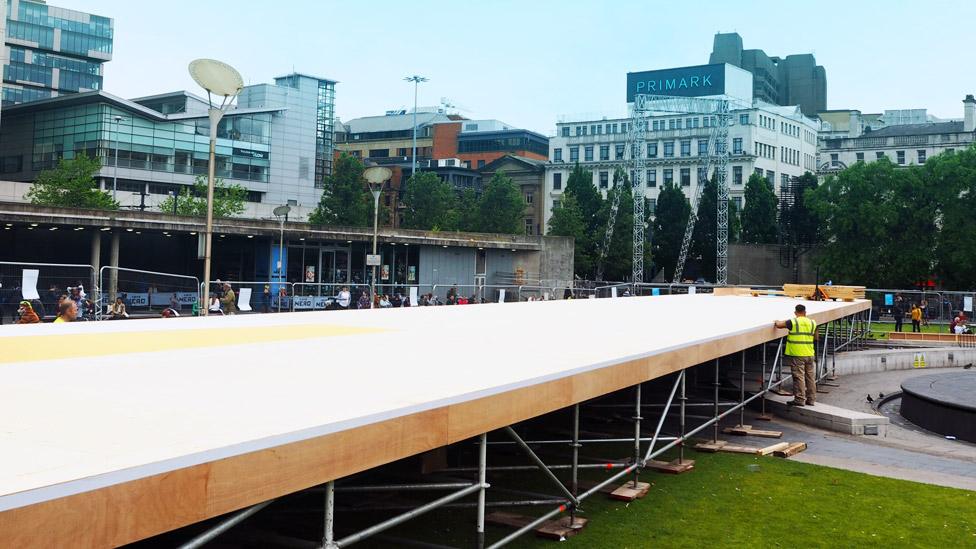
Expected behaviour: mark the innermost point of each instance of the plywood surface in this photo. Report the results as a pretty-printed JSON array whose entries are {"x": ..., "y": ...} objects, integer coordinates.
[{"x": 181, "y": 419}]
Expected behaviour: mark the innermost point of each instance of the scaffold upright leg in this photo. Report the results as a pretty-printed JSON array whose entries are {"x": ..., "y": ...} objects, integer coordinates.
[
  {"x": 482, "y": 480},
  {"x": 328, "y": 537},
  {"x": 742, "y": 390},
  {"x": 715, "y": 385},
  {"x": 681, "y": 447},
  {"x": 574, "y": 483},
  {"x": 637, "y": 435},
  {"x": 762, "y": 382}
]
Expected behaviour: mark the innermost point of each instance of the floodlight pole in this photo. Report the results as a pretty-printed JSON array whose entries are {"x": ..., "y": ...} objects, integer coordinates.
[
  {"x": 376, "y": 190},
  {"x": 416, "y": 83},
  {"x": 115, "y": 169},
  {"x": 215, "y": 114}
]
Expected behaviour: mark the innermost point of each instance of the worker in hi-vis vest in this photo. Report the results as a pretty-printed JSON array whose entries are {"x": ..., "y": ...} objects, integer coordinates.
[{"x": 800, "y": 356}]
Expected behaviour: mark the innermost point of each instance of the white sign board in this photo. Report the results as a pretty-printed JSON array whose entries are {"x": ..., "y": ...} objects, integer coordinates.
[
  {"x": 28, "y": 284},
  {"x": 414, "y": 298},
  {"x": 373, "y": 260},
  {"x": 613, "y": 292},
  {"x": 691, "y": 290},
  {"x": 244, "y": 299},
  {"x": 501, "y": 296},
  {"x": 967, "y": 303}
]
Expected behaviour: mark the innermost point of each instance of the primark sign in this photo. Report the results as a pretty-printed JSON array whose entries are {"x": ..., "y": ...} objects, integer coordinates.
[{"x": 695, "y": 81}]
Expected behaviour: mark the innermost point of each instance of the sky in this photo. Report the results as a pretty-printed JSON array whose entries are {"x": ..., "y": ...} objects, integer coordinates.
[{"x": 531, "y": 62}]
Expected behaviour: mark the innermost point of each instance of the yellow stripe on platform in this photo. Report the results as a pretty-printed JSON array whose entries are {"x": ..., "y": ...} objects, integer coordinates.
[{"x": 59, "y": 346}]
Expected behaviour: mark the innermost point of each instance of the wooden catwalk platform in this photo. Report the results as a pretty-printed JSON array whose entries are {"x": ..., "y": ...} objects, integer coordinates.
[{"x": 115, "y": 431}]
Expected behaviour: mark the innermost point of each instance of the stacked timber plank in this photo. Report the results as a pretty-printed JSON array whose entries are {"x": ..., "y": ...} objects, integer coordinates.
[{"x": 845, "y": 293}]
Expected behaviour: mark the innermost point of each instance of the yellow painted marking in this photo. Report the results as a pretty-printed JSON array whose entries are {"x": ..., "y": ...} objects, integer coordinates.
[{"x": 59, "y": 346}]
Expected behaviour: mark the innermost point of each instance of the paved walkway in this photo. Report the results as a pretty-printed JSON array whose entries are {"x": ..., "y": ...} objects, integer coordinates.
[{"x": 907, "y": 452}]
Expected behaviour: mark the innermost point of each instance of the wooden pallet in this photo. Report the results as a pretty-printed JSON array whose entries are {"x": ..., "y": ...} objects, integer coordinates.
[
  {"x": 558, "y": 530},
  {"x": 629, "y": 491},
  {"x": 671, "y": 467},
  {"x": 792, "y": 449},
  {"x": 724, "y": 446},
  {"x": 846, "y": 293},
  {"x": 747, "y": 430}
]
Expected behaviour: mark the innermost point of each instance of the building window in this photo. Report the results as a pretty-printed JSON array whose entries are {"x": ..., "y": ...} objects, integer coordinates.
[
  {"x": 736, "y": 175},
  {"x": 737, "y": 145},
  {"x": 685, "y": 177},
  {"x": 595, "y": 130},
  {"x": 901, "y": 157},
  {"x": 608, "y": 128},
  {"x": 604, "y": 179},
  {"x": 580, "y": 130},
  {"x": 668, "y": 149},
  {"x": 529, "y": 225},
  {"x": 833, "y": 159},
  {"x": 574, "y": 154},
  {"x": 758, "y": 171},
  {"x": 556, "y": 204},
  {"x": 921, "y": 156},
  {"x": 604, "y": 152},
  {"x": 702, "y": 146},
  {"x": 686, "y": 147},
  {"x": 652, "y": 205},
  {"x": 588, "y": 154},
  {"x": 655, "y": 125},
  {"x": 614, "y": 128},
  {"x": 557, "y": 155},
  {"x": 619, "y": 150},
  {"x": 481, "y": 163},
  {"x": 860, "y": 157},
  {"x": 565, "y": 131},
  {"x": 379, "y": 153},
  {"x": 771, "y": 177},
  {"x": 652, "y": 178},
  {"x": 557, "y": 181},
  {"x": 702, "y": 174},
  {"x": 671, "y": 124},
  {"x": 529, "y": 198},
  {"x": 879, "y": 155},
  {"x": 652, "y": 150},
  {"x": 784, "y": 181},
  {"x": 668, "y": 176},
  {"x": 743, "y": 119},
  {"x": 737, "y": 200}
]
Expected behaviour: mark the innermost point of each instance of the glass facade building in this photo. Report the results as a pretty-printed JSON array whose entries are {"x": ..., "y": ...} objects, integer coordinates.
[
  {"x": 52, "y": 51},
  {"x": 276, "y": 143}
]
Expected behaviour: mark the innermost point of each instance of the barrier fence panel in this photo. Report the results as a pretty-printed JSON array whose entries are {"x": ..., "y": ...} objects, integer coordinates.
[
  {"x": 937, "y": 307},
  {"x": 255, "y": 296},
  {"x": 146, "y": 293},
  {"x": 52, "y": 281},
  {"x": 477, "y": 293}
]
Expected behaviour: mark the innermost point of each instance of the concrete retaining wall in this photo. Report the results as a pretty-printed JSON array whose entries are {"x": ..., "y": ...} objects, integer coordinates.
[{"x": 883, "y": 360}]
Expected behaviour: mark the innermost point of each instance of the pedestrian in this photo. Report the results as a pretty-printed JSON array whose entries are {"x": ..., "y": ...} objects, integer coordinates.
[
  {"x": 118, "y": 310},
  {"x": 898, "y": 313},
  {"x": 916, "y": 318},
  {"x": 363, "y": 302},
  {"x": 800, "y": 355},
  {"x": 344, "y": 298},
  {"x": 67, "y": 311},
  {"x": 229, "y": 300},
  {"x": 925, "y": 313},
  {"x": 27, "y": 314},
  {"x": 266, "y": 299},
  {"x": 214, "y": 305}
]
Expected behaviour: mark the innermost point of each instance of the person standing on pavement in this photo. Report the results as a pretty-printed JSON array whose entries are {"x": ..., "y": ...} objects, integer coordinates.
[
  {"x": 899, "y": 313},
  {"x": 800, "y": 355},
  {"x": 229, "y": 300}
]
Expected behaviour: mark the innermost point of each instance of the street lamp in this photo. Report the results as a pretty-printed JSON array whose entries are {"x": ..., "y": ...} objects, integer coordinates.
[
  {"x": 218, "y": 79},
  {"x": 375, "y": 177},
  {"x": 115, "y": 171},
  {"x": 416, "y": 82},
  {"x": 281, "y": 212}
]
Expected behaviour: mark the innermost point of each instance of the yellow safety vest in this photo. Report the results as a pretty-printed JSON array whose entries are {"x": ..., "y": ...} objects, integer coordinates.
[{"x": 800, "y": 340}]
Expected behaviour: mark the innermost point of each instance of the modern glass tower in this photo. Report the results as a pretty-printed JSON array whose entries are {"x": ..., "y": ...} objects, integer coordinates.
[{"x": 52, "y": 51}]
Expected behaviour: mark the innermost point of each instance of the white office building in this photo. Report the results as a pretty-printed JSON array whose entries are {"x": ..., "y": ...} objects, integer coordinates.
[{"x": 777, "y": 142}]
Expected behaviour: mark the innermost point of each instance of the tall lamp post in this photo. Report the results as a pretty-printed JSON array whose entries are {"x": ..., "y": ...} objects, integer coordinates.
[
  {"x": 222, "y": 80},
  {"x": 416, "y": 83},
  {"x": 115, "y": 170},
  {"x": 375, "y": 177},
  {"x": 281, "y": 212}
]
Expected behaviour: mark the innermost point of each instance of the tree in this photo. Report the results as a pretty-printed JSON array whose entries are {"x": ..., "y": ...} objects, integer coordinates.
[
  {"x": 229, "y": 200},
  {"x": 705, "y": 237},
  {"x": 429, "y": 203},
  {"x": 799, "y": 225},
  {"x": 346, "y": 200},
  {"x": 879, "y": 225},
  {"x": 467, "y": 211},
  {"x": 580, "y": 185},
  {"x": 567, "y": 220},
  {"x": 759, "y": 212},
  {"x": 71, "y": 185},
  {"x": 670, "y": 219},
  {"x": 501, "y": 206},
  {"x": 953, "y": 177}
]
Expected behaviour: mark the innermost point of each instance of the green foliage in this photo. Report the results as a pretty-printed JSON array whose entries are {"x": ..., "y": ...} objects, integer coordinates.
[
  {"x": 467, "y": 211},
  {"x": 429, "y": 202},
  {"x": 670, "y": 219},
  {"x": 580, "y": 185},
  {"x": 952, "y": 177},
  {"x": 346, "y": 200},
  {"x": 501, "y": 206},
  {"x": 800, "y": 224},
  {"x": 568, "y": 220},
  {"x": 229, "y": 200},
  {"x": 703, "y": 241},
  {"x": 879, "y": 225},
  {"x": 759, "y": 212},
  {"x": 71, "y": 185}
]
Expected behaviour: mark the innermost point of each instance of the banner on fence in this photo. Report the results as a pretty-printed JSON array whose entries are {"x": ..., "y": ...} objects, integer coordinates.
[
  {"x": 164, "y": 299},
  {"x": 308, "y": 302}
]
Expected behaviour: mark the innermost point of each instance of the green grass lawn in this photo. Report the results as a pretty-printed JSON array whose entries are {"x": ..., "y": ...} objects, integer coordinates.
[
  {"x": 881, "y": 329},
  {"x": 723, "y": 504}
]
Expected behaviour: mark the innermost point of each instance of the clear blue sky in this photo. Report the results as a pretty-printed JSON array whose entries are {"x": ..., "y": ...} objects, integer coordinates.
[{"x": 528, "y": 62}]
